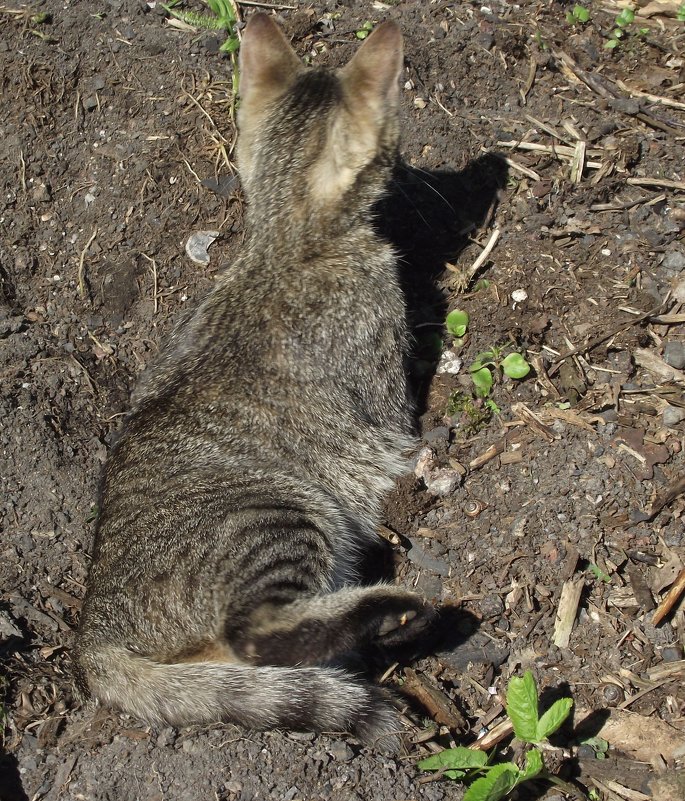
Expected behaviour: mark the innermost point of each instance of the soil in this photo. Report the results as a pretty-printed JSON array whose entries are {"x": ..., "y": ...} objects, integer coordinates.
[{"x": 116, "y": 146}]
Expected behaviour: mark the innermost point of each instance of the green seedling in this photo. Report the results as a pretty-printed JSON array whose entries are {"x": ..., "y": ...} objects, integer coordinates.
[
  {"x": 578, "y": 15},
  {"x": 457, "y": 322},
  {"x": 491, "y": 782},
  {"x": 598, "y": 745},
  {"x": 475, "y": 415},
  {"x": 622, "y": 25},
  {"x": 365, "y": 30},
  {"x": 513, "y": 366},
  {"x": 680, "y": 13}
]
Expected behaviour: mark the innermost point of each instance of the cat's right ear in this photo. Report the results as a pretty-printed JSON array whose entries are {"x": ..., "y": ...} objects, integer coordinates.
[{"x": 268, "y": 64}]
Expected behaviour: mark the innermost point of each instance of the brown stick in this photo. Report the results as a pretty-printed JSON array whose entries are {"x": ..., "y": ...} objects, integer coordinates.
[{"x": 671, "y": 599}]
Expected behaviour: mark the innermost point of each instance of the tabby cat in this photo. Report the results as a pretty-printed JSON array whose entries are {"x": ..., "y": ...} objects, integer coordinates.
[{"x": 248, "y": 475}]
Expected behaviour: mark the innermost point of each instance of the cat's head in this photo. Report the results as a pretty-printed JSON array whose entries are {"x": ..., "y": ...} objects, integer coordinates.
[{"x": 313, "y": 136}]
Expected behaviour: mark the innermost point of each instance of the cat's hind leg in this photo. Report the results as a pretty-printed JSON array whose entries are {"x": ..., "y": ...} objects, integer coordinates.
[{"x": 328, "y": 627}]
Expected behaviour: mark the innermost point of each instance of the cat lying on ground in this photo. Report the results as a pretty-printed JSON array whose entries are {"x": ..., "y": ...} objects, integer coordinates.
[{"x": 249, "y": 473}]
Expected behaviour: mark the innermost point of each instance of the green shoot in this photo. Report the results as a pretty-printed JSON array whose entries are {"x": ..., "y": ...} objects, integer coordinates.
[
  {"x": 491, "y": 782},
  {"x": 622, "y": 22},
  {"x": 599, "y": 574},
  {"x": 224, "y": 19},
  {"x": 578, "y": 15},
  {"x": 489, "y": 362},
  {"x": 365, "y": 30},
  {"x": 457, "y": 322}
]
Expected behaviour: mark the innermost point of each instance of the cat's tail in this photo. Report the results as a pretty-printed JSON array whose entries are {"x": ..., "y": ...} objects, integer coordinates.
[{"x": 187, "y": 693}]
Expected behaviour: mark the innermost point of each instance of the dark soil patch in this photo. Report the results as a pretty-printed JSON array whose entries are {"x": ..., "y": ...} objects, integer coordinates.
[{"x": 116, "y": 134}]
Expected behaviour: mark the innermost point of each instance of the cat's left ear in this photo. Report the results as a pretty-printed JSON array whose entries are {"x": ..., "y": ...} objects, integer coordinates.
[{"x": 373, "y": 73}]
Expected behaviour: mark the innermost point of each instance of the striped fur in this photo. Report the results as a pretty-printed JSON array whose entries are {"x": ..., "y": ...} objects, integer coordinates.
[{"x": 249, "y": 473}]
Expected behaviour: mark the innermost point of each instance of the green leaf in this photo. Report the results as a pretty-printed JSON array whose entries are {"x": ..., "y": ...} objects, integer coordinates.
[
  {"x": 494, "y": 408},
  {"x": 459, "y": 758},
  {"x": 598, "y": 744},
  {"x": 533, "y": 767},
  {"x": 515, "y": 366},
  {"x": 554, "y": 717},
  {"x": 230, "y": 45},
  {"x": 522, "y": 707},
  {"x": 598, "y": 573},
  {"x": 499, "y": 780},
  {"x": 483, "y": 381},
  {"x": 581, "y": 13},
  {"x": 457, "y": 322},
  {"x": 482, "y": 360}
]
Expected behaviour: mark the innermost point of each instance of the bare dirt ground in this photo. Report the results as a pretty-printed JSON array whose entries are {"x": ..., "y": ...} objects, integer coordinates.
[{"x": 566, "y": 507}]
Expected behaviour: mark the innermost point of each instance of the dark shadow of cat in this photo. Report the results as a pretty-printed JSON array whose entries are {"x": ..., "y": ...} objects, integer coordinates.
[{"x": 428, "y": 216}]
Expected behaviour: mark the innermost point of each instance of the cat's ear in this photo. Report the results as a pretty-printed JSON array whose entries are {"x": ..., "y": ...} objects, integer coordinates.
[
  {"x": 371, "y": 77},
  {"x": 268, "y": 64},
  {"x": 370, "y": 87}
]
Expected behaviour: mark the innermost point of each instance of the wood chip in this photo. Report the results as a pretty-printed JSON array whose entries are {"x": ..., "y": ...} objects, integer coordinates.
[
  {"x": 498, "y": 733},
  {"x": 567, "y": 611},
  {"x": 636, "y": 735},
  {"x": 487, "y": 456},
  {"x": 436, "y": 703},
  {"x": 654, "y": 364},
  {"x": 534, "y": 422},
  {"x": 671, "y": 599}
]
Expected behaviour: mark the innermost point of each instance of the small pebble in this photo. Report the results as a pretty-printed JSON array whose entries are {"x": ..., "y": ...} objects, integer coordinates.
[
  {"x": 449, "y": 363},
  {"x": 674, "y": 354},
  {"x": 674, "y": 261},
  {"x": 198, "y": 244},
  {"x": 439, "y": 434},
  {"x": 41, "y": 193},
  {"x": 672, "y": 415},
  {"x": 341, "y": 751},
  {"x": 519, "y": 295},
  {"x": 672, "y": 653}
]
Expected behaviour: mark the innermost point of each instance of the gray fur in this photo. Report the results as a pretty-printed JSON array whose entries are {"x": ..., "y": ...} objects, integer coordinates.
[{"x": 250, "y": 471}]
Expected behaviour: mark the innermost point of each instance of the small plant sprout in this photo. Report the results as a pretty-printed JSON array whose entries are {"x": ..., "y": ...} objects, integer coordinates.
[
  {"x": 578, "y": 15},
  {"x": 457, "y": 322},
  {"x": 491, "y": 782},
  {"x": 622, "y": 23},
  {"x": 513, "y": 366},
  {"x": 224, "y": 19},
  {"x": 364, "y": 30},
  {"x": 680, "y": 13}
]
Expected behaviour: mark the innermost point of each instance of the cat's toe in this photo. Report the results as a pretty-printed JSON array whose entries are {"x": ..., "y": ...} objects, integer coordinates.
[{"x": 405, "y": 624}]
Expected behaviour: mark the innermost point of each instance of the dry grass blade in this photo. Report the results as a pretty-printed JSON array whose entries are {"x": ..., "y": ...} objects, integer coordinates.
[{"x": 657, "y": 183}]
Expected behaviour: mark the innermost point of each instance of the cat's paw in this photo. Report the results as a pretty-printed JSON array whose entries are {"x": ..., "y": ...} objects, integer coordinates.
[{"x": 403, "y": 619}]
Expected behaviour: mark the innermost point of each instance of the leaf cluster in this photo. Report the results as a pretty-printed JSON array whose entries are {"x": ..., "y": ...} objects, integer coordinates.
[
  {"x": 488, "y": 362},
  {"x": 622, "y": 24},
  {"x": 491, "y": 782},
  {"x": 578, "y": 15}
]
